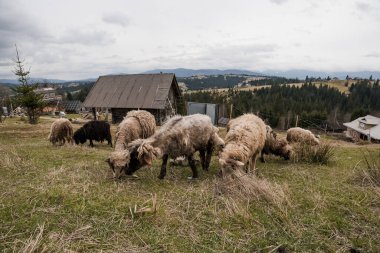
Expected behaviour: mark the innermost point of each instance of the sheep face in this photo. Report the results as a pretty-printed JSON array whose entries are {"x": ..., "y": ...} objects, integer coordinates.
[
  {"x": 134, "y": 163},
  {"x": 141, "y": 155},
  {"x": 118, "y": 161},
  {"x": 217, "y": 142},
  {"x": 229, "y": 165},
  {"x": 79, "y": 137},
  {"x": 287, "y": 153}
]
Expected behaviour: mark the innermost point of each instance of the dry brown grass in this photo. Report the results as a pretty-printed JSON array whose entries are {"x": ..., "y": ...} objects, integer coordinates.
[
  {"x": 242, "y": 186},
  {"x": 369, "y": 171},
  {"x": 34, "y": 241}
]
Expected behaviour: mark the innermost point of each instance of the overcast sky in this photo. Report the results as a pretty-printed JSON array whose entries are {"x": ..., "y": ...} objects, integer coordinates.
[{"x": 75, "y": 39}]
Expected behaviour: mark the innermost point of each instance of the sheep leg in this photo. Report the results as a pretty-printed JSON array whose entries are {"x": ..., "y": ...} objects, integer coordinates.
[
  {"x": 193, "y": 166},
  {"x": 262, "y": 157},
  {"x": 202, "y": 155},
  {"x": 163, "y": 167},
  {"x": 91, "y": 143},
  {"x": 252, "y": 164},
  {"x": 208, "y": 155}
]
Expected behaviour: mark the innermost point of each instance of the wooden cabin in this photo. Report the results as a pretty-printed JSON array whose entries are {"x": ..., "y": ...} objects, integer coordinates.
[{"x": 157, "y": 93}]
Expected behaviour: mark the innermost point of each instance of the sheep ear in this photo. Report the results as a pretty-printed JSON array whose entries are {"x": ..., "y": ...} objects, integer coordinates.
[
  {"x": 156, "y": 152},
  {"x": 148, "y": 160},
  {"x": 108, "y": 160}
]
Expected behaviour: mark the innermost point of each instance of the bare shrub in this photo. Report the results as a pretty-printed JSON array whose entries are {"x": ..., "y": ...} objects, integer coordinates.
[
  {"x": 320, "y": 154},
  {"x": 370, "y": 173}
]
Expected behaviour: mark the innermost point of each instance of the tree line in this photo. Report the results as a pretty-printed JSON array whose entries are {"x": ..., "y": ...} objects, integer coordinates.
[{"x": 318, "y": 106}]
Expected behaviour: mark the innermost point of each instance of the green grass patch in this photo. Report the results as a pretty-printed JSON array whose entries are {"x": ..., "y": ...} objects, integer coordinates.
[{"x": 57, "y": 199}]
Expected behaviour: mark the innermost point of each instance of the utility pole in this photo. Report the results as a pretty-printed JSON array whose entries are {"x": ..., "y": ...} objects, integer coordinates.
[{"x": 231, "y": 111}]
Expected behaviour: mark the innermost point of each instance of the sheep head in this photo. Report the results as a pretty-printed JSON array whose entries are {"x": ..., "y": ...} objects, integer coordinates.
[
  {"x": 141, "y": 153},
  {"x": 286, "y": 149},
  {"x": 118, "y": 161},
  {"x": 80, "y": 136},
  {"x": 270, "y": 133},
  {"x": 146, "y": 153},
  {"x": 217, "y": 142},
  {"x": 229, "y": 165}
]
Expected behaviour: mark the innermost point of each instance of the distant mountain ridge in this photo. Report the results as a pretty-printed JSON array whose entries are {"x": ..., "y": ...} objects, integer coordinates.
[
  {"x": 301, "y": 74},
  {"x": 182, "y": 72},
  {"x": 296, "y": 73},
  {"x": 45, "y": 80}
]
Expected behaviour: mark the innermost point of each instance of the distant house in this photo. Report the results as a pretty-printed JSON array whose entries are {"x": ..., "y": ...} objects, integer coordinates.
[
  {"x": 156, "y": 93},
  {"x": 51, "y": 99},
  {"x": 364, "y": 128},
  {"x": 49, "y": 94}
]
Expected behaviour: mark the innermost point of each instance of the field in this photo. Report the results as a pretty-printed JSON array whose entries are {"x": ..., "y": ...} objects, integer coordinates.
[{"x": 62, "y": 199}]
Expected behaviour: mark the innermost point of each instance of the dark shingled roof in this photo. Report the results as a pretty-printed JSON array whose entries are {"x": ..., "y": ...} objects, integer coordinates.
[
  {"x": 71, "y": 105},
  {"x": 141, "y": 91}
]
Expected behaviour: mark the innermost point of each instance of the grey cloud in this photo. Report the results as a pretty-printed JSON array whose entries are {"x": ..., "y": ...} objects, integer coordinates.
[
  {"x": 372, "y": 55},
  {"x": 216, "y": 56},
  {"x": 16, "y": 26},
  {"x": 363, "y": 6},
  {"x": 278, "y": 1},
  {"x": 86, "y": 37},
  {"x": 6, "y": 63},
  {"x": 116, "y": 18}
]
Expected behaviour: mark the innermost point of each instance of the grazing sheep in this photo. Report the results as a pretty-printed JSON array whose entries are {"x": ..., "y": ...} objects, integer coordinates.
[
  {"x": 179, "y": 136},
  {"x": 297, "y": 134},
  {"x": 278, "y": 147},
  {"x": 137, "y": 124},
  {"x": 61, "y": 131},
  {"x": 244, "y": 141},
  {"x": 93, "y": 131}
]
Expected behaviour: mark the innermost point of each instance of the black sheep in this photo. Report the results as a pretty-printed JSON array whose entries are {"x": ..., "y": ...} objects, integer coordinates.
[{"x": 93, "y": 131}]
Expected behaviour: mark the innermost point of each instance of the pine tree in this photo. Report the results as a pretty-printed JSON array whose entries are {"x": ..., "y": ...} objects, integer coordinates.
[
  {"x": 25, "y": 92},
  {"x": 69, "y": 96}
]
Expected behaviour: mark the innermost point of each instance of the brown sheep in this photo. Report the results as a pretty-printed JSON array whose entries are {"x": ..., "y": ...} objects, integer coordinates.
[
  {"x": 137, "y": 124},
  {"x": 179, "y": 136},
  {"x": 61, "y": 131},
  {"x": 244, "y": 141}
]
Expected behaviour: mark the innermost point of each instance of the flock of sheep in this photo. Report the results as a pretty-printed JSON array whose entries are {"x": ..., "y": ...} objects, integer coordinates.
[{"x": 138, "y": 143}]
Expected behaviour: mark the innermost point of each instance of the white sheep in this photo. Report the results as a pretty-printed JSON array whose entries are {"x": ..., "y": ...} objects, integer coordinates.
[
  {"x": 137, "y": 124},
  {"x": 297, "y": 134},
  {"x": 244, "y": 141},
  {"x": 179, "y": 136},
  {"x": 61, "y": 131}
]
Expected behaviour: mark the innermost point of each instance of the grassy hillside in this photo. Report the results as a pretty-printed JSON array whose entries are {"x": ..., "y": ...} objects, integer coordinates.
[
  {"x": 61, "y": 199},
  {"x": 339, "y": 84}
]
